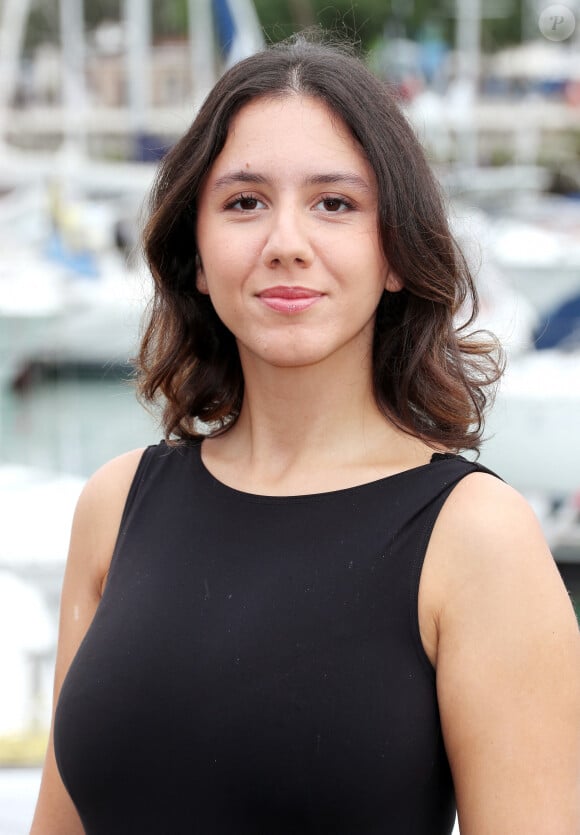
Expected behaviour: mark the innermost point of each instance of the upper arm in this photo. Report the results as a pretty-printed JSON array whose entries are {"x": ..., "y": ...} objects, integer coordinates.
[
  {"x": 93, "y": 536},
  {"x": 508, "y": 666}
]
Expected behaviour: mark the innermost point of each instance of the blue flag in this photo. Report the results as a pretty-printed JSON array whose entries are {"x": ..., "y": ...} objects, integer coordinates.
[{"x": 237, "y": 29}]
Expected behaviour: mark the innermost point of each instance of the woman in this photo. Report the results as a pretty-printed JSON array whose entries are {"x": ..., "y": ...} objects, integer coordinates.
[{"x": 308, "y": 614}]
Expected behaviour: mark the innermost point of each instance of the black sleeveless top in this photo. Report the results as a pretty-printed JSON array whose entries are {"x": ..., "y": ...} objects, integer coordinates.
[{"x": 255, "y": 664}]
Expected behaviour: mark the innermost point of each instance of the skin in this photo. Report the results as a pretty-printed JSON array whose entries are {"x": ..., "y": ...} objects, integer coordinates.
[{"x": 495, "y": 619}]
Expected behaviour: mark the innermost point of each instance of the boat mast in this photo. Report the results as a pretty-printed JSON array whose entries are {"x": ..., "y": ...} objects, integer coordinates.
[
  {"x": 138, "y": 29},
  {"x": 202, "y": 45},
  {"x": 12, "y": 29},
  {"x": 72, "y": 38},
  {"x": 468, "y": 46}
]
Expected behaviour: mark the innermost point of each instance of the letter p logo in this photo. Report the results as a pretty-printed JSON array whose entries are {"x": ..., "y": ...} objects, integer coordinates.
[{"x": 556, "y": 23}]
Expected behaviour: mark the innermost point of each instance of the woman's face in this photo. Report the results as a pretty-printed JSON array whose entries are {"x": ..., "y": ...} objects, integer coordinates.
[{"x": 288, "y": 237}]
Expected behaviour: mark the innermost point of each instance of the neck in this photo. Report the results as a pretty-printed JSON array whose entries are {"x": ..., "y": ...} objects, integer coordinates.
[
  {"x": 294, "y": 411},
  {"x": 298, "y": 423}
]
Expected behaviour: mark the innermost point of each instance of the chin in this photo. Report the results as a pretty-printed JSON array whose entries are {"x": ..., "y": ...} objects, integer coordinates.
[
  {"x": 283, "y": 357},
  {"x": 294, "y": 362}
]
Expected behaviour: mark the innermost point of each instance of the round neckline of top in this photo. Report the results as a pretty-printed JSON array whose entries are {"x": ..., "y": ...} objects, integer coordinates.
[{"x": 320, "y": 496}]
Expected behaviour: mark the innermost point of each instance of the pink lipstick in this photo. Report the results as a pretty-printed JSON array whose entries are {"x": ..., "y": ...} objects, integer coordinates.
[{"x": 289, "y": 299}]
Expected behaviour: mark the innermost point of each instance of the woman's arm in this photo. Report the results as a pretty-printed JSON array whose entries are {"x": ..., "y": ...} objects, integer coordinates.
[
  {"x": 94, "y": 533},
  {"x": 508, "y": 666}
]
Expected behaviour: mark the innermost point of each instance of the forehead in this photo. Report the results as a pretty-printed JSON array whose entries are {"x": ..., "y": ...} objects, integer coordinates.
[{"x": 290, "y": 131}]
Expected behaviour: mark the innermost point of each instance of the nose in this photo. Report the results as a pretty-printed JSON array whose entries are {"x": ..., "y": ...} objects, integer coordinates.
[{"x": 288, "y": 243}]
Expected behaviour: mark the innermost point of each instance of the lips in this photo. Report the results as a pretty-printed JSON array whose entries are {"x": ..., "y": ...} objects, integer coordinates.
[{"x": 289, "y": 299}]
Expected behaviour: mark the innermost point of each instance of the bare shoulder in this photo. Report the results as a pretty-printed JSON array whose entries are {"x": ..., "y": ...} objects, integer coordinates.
[
  {"x": 508, "y": 663},
  {"x": 111, "y": 482},
  {"x": 99, "y": 511},
  {"x": 481, "y": 496},
  {"x": 486, "y": 524},
  {"x": 488, "y": 557},
  {"x": 108, "y": 487}
]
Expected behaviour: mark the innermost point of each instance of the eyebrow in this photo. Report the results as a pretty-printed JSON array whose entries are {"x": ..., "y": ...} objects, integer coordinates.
[{"x": 247, "y": 177}]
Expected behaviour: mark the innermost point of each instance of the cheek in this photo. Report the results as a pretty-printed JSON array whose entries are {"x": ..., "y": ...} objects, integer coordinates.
[
  {"x": 368, "y": 251},
  {"x": 229, "y": 261},
  {"x": 222, "y": 279}
]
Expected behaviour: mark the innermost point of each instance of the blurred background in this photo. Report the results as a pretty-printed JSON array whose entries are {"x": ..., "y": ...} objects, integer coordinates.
[{"x": 93, "y": 93}]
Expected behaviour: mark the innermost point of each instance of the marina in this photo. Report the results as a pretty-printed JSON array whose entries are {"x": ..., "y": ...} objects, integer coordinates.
[{"x": 73, "y": 290}]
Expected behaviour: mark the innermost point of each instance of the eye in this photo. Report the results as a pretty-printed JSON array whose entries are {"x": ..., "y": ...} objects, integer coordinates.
[
  {"x": 245, "y": 203},
  {"x": 335, "y": 205}
]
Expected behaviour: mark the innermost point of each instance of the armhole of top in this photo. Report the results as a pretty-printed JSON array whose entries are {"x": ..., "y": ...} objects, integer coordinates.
[
  {"x": 421, "y": 553},
  {"x": 136, "y": 483}
]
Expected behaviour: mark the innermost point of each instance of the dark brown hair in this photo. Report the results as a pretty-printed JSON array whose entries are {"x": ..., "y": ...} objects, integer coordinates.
[{"x": 430, "y": 377}]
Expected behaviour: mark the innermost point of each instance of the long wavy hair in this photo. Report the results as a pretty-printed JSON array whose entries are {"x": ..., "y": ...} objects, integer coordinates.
[{"x": 431, "y": 377}]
